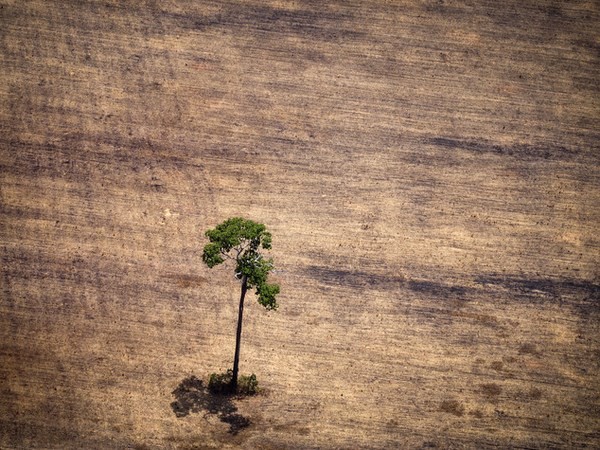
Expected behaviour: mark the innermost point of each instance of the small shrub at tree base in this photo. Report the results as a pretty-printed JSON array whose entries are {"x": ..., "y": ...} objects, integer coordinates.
[
  {"x": 220, "y": 383},
  {"x": 247, "y": 385}
]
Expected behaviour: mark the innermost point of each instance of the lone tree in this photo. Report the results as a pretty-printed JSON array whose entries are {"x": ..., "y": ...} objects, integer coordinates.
[{"x": 240, "y": 240}]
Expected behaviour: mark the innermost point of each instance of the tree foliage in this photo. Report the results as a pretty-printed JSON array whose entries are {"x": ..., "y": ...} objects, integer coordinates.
[{"x": 241, "y": 240}]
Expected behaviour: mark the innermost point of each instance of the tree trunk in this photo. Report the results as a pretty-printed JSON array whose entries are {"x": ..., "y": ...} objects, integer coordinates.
[{"x": 238, "y": 337}]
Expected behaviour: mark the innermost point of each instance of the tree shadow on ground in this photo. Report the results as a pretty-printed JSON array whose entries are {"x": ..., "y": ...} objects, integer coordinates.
[{"x": 193, "y": 397}]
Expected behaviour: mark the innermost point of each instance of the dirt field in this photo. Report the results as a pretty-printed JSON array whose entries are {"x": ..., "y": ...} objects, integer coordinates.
[{"x": 429, "y": 171}]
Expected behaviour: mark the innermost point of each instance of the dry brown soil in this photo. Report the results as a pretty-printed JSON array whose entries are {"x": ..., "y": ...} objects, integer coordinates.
[{"x": 430, "y": 173}]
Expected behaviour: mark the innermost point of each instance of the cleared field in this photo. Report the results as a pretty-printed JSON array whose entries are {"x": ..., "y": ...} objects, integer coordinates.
[{"x": 429, "y": 171}]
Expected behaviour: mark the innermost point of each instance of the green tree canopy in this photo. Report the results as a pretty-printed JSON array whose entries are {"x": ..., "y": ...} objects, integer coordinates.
[{"x": 240, "y": 240}]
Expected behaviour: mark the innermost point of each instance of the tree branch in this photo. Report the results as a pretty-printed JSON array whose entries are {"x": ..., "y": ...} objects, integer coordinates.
[
  {"x": 241, "y": 248},
  {"x": 226, "y": 255}
]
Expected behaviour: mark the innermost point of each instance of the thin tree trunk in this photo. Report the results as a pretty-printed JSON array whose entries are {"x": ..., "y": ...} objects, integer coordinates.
[{"x": 238, "y": 337}]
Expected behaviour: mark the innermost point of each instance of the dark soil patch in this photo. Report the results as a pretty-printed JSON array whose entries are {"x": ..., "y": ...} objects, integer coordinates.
[
  {"x": 353, "y": 278},
  {"x": 523, "y": 151},
  {"x": 583, "y": 294},
  {"x": 435, "y": 289}
]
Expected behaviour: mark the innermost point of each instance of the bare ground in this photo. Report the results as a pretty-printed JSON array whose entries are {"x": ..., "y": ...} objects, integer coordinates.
[{"x": 429, "y": 171}]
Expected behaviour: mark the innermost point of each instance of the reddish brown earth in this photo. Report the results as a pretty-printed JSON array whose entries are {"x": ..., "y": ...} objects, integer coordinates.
[{"x": 430, "y": 173}]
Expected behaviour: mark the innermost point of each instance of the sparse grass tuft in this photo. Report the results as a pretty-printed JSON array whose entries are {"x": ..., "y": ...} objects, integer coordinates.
[
  {"x": 476, "y": 413},
  {"x": 497, "y": 365},
  {"x": 453, "y": 407},
  {"x": 490, "y": 390},
  {"x": 528, "y": 349},
  {"x": 535, "y": 394}
]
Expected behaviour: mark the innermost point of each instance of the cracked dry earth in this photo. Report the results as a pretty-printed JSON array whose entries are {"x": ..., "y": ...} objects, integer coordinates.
[{"x": 429, "y": 171}]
